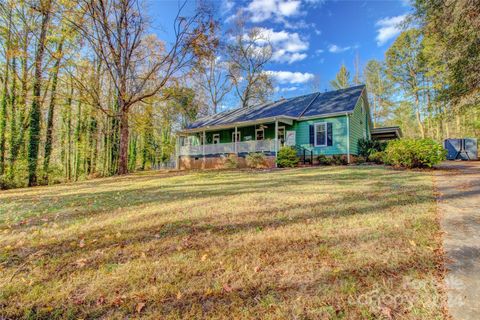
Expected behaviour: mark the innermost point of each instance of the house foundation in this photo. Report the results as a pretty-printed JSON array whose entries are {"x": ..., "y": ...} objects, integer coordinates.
[{"x": 217, "y": 162}]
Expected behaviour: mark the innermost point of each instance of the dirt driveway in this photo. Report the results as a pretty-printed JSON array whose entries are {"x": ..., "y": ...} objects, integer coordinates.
[{"x": 459, "y": 201}]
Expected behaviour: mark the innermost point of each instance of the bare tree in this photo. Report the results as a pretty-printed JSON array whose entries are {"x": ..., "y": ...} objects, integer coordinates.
[
  {"x": 248, "y": 56},
  {"x": 213, "y": 79},
  {"x": 116, "y": 33},
  {"x": 212, "y": 71},
  {"x": 315, "y": 84}
]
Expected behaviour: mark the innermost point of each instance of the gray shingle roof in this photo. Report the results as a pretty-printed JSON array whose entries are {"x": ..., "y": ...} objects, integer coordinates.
[{"x": 314, "y": 104}]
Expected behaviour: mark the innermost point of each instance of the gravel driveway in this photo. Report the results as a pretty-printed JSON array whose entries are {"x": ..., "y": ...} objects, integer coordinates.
[{"x": 458, "y": 184}]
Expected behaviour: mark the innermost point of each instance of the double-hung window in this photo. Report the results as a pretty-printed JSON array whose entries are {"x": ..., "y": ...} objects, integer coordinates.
[
  {"x": 216, "y": 138},
  {"x": 260, "y": 134},
  {"x": 320, "y": 134}
]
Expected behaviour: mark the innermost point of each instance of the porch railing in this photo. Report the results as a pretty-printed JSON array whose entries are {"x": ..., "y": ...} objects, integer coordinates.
[{"x": 222, "y": 148}]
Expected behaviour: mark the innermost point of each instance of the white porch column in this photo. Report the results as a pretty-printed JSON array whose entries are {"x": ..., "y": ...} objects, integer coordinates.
[
  {"x": 235, "y": 135},
  {"x": 203, "y": 146},
  {"x": 177, "y": 152},
  {"x": 276, "y": 141},
  {"x": 348, "y": 138}
]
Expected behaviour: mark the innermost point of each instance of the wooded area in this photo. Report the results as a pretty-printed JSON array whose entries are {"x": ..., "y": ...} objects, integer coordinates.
[{"x": 86, "y": 90}]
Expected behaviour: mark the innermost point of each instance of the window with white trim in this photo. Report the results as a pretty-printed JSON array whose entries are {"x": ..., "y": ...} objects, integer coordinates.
[
  {"x": 320, "y": 134},
  {"x": 260, "y": 134},
  {"x": 281, "y": 134},
  {"x": 216, "y": 138}
]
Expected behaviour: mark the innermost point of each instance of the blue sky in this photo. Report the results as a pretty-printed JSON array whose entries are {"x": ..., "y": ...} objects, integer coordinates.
[{"x": 309, "y": 37}]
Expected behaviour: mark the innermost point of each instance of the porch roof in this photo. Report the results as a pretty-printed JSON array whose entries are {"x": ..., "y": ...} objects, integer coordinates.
[
  {"x": 307, "y": 106},
  {"x": 386, "y": 133}
]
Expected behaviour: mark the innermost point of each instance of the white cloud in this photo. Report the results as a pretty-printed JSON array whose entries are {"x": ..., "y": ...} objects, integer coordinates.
[
  {"x": 389, "y": 28},
  {"x": 283, "y": 77},
  {"x": 333, "y": 48},
  {"x": 295, "y": 25},
  {"x": 288, "y": 47},
  {"x": 227, "y": 5},
  {"x": 261, "y": 10},
  {"x": 287, "y": 89},
  {"x": 319, "y": 51}
]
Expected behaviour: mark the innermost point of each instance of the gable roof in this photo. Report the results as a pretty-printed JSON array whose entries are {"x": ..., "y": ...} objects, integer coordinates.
[{"x": 310, "y": 105}]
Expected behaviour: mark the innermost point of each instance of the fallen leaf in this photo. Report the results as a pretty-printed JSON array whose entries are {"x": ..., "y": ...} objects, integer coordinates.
[
  {"x": 139, "y": 307},
  {"x": 204, "y": 257},
  {"x": 81, "y": 263},
  {"x": 179, "y": 295},
  {"x": 256, "y": 269},
  {"x": 227, "y": 288},
  {"x": 82, "y": 243},
  {"x": 413, "y": 243}
]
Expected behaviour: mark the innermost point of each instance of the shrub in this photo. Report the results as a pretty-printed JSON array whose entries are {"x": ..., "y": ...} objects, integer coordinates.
[
  {"x": 231, "y": 162},
  {"x": 359, "y": 160},
  {"x": 256, "y": 160},
  {"x": 414, "y": 153},
  {"x": 324, "y": 160},
  {"x": 287, "y": 157},
  {"x": 339, "y": 160},
  {"x": 367, "y": 147},
  {"x": 377, "y": 157}
]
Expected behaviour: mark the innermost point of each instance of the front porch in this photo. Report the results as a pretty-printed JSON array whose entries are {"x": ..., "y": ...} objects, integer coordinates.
[
  {"x": 208, "y": 147},
  {"x": 265, "y": 137},
  {"x": 243, "y": 147}
]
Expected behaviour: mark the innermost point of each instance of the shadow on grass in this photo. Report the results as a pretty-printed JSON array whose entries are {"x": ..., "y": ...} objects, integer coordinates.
[
  {"x": 201, "y": 227},
  {"x": 161, "y": 240}
]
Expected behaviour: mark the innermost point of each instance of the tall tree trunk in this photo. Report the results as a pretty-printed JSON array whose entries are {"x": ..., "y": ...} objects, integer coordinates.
[
  {"x": 69, "y": 138},
  {"x": 3, "y": 118},
  {"x": 5, "y": 97},
  {"x": 418, "y": 116},
  {"x": 78, "y": 140},
  {"x": 123, "y": 152},
  {"x": 35, "y": 112},
  {"x": 51, "y": 110},
  {"x": 22, "y": 108},
  {"x": 13, "y": 117}
]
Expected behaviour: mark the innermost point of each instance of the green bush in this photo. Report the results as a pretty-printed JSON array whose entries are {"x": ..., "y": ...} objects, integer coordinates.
[
  {"x": 359, "y": 160},
  {"x": 256, "y": 160},
  {"x": 231, "y": 162},
  {"x": 324, "y": 160},
  {"x": 377, "y": 157},
  {"x": 367, "y": 147},
  {"x": 287, "y": 157},
  {"x": 414, "y": 153},
  {"x": 339, "y": 160}
]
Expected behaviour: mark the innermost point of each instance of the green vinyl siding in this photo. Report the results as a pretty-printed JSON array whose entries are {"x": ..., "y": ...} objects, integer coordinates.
[
  {"x": 339, "y": 135},
  {"x": 359, "y": 125}
]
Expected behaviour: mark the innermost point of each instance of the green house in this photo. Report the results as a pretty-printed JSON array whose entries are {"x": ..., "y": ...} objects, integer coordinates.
[{"x": 328, "y": 123}]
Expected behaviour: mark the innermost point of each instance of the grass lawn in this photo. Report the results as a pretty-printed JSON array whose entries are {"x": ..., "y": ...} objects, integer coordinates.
[{"x": 311, "y": 243}]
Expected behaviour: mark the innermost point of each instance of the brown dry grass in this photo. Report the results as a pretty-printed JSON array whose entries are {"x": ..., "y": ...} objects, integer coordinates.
[{"x": 312, "y": 243}]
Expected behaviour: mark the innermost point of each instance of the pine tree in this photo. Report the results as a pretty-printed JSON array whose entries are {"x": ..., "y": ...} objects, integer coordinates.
[{"x": 342, "y": 79}]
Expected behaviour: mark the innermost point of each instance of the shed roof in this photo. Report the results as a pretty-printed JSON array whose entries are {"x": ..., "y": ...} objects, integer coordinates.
[{"x": 310, "y": 105}]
